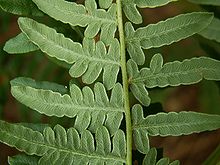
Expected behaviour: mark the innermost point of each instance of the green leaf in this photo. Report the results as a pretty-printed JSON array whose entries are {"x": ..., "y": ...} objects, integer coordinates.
[
  {"x": 141, "y": 141},
  {"x": 189, "y": 71},
  {"x": 172, "y": 123},
  {"x": 44, "y": 85},
  {"x": 34, "y": 126},
  {"x": 58, "y": 146},
  {"x": 140, "y": 93},
  {"x": 91, "y": 108},
  {"x": 163, "y": 161},
  {"x": 94, "y": 59},
  {"x": 138, "y": 89},
  {"x": 19, "y": 44},
  {"x": 88, "y": 60},
  {"x": 151, "y": 158},
  {"x": 105, "y": 4},
  {"x": 119, "y": 147},
  {"x": 20, "y": 7},
  {"x": 171, "y": 74},
  {"x": 164, "y": 33},
  {"x": 131, "y": 12},
  {"x": 212, "y": 32},
  {"x": 152, "y": 4},
  {"x": 62, "y": 64},
  {"x": 23, "y": 160},
  {"x": 76, "y": 14},
  {"x": 206, "y": 2}
]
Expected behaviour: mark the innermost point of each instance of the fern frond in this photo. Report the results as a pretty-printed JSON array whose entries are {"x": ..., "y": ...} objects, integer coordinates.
[
  {"x": 105, "y": 4},
  {"x": 59, "y": 146},
  {"x": 138, "y": 89},
  {"x": 19, "y": 44},
  {"x": 164, "y": 33},
  {"x": 91, "y": 108},
  {"x": 172, "y": 123},
  {"x": 88, "y": 15},
  {"x": 151, "y": 159},
  {"x": 20, "y": 7},
  {"x": 141, "y": 141},
  {"x": 88, "y": 60},
  {"x": 131, "y": 12},
  {"x": 212, "y": 31},
  {"x": 206, "y": 2},
  {"x": 23, "y": 160},
  {"x": 189, "y": 71},
  {"x": 95, "y": 59}
]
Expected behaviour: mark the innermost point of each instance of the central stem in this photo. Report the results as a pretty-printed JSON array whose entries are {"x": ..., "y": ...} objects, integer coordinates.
[{"x": 125, "y": 83}]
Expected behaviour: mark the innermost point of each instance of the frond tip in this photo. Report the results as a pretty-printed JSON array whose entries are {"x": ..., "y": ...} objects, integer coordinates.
[{"x": 58, "y": 146}]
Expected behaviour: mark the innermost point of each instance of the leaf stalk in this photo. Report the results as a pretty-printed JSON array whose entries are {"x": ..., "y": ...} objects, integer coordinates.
[{"x": 125, "y": 83}]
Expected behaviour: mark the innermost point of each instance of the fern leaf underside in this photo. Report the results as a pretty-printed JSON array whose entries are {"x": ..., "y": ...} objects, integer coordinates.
[
  {"x": 59, "y": 146},
  {"x": 91, "y": 108},
  {"x": 164, "y": 33},
  {"x": 88, "y": 60},
  {"x": 88, "y": 15},
  {"x": 189, "y": 71},
  {"x": 96, "y": 137},
  {"x": 169, "y": 124}
]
